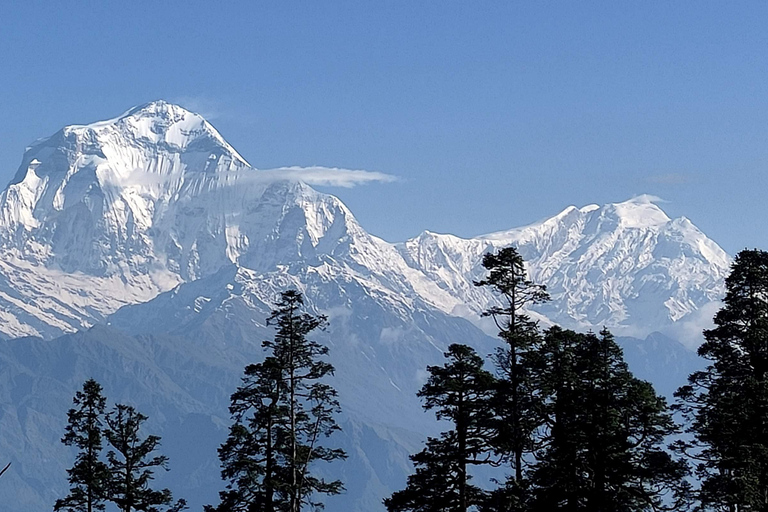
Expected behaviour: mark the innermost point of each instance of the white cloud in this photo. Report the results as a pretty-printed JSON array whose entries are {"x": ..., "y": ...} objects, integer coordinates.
[
  {"x": 688, "y": 330},
  {"x": 316, "y": 175},
  {"x": 647, "y": 198},
  {"x": 209, "y": 108},
  {"x": 324, "y": 176}
]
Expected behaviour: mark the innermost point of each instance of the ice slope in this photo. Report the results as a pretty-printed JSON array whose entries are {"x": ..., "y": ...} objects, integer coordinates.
[
  {"x": 113, "y": 213},
  {"x": 626, "y": 265}
]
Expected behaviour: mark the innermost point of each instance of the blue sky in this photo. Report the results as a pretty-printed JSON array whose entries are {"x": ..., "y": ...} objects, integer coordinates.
[{"x": 492, "y": 114}]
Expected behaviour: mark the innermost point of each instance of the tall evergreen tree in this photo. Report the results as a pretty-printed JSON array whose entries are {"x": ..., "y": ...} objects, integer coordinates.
[
  {"x": 282, "y": 411},
  {"x": 89, "y": 476},
  {"x": 252, "y": 456},
  {"x": 461, "y": 392},
  {"x": 131, "y": 464},
  {"x": 727, "y": 403},
  {"x": 516, "y": 399},
  {"x": 604, "y": 448}
]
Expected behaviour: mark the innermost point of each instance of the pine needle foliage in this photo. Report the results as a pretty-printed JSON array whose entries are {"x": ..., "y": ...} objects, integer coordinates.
[
  {"x": 460, "y": 392},
  {"x": 89, "y": 476},
  {"x": 282, "y": 411},
  {"x": 516, "y": 402},
  {"x": 604, "y": 444},
  {"x": 726, "y": 404},
  {"x": 131, "y": 464}
]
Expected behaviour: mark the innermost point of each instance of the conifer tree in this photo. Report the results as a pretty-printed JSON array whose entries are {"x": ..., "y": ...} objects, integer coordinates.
[
  {"x": 89, "y": 476},
  {"x": 604, "y": 448},
  {"x": 516, "y": 401},
  {"x": 131, "y": 464},
  {"x": 726, "y": 404},
  {"x": 252, "y": 456},
  {"x": 460, "y": 391},
  {"x": 282, "y": 410}
]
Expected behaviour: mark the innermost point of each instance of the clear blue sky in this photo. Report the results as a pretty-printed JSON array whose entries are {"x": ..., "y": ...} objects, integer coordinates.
[{"x": 493, "y": 114}]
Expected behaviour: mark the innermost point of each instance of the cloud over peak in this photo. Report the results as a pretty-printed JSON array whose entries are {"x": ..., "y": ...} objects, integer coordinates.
[{"x": 327, "y": 176}]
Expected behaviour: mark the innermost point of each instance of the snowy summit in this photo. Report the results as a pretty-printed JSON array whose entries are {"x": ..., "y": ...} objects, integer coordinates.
[{"x": 116, "y": 212}]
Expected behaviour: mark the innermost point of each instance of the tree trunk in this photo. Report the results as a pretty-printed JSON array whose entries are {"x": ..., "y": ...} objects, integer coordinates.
[
  {"x": 295, "y": 505},
  {"x": 518, "y": 435},
  {"x": 461, "y": 431},
  {"x": 269, "y": 491},
  {"x": 518, "y": 448}
]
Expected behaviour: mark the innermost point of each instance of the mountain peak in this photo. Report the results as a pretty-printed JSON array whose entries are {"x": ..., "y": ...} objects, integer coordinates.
[
  {"x": 158, "y": 122},
  {"x": 156, "y": 196},
  {"x": 158, "y": 107},
  {"x": 620, "y": 265},
  {"x": 639, "y": 212},
  {"x": 90, "y": 197}
]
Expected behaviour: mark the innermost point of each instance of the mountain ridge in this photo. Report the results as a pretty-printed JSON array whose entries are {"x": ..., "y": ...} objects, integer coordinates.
[
  {"x": 131, "y": 207},
  {"x": 161, "y": 264}
]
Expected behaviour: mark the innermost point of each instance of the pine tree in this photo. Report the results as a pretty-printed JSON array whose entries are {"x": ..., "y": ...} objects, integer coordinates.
[
  {"x": 516, "y": 400},
  {"x": 252, "y": 456},
  {"x": 282, "y": 410},
  {"x": 727, "y": 403},
  {"x": 556, "y": 475},
  {"x": 131, "y": 464},
  {"x": 89, "y": 476},
  {"x": 311, "y": 403},
  {"x": 460, "y": 391},
  {"x": 606, "y": 431}
]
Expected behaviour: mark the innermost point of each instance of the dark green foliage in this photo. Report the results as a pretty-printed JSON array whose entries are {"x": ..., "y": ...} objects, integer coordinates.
[
  {"x": 507, "y": 275},
  {"x": 727, "y": 403},
  {"x": 131, "y": 464},
  {"x": 516, "y": 403},
  {"x": 89, "y": 476},
  {"x": 436, "y": 484},
  {"x": 509, "y": 497},
  {"x": 251, "y": 453},
  {"x": 124, "y": 478},
  {"x": 460, "y": 391},
  {"x": 605, "y": 430},
  {"x": 281, "y": 411}
]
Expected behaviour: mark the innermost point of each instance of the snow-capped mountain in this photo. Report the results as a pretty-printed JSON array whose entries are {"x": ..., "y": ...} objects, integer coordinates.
[
  {"x": 152, "y": 225},
  {"x": 113, "y": 213},
  {"x": 86, "y": 198},
  {"x": 626, "y": 266},
  {"x": 77, "y": 221}
]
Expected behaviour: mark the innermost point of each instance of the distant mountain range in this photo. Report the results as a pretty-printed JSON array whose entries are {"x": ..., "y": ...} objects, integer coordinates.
[{"x": 154, "y": 238}]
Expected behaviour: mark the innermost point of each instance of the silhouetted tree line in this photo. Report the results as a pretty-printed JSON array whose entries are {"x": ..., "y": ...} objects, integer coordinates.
[
  {"x": 560, "y": 414},
  {"x": 123, "y": 477},
  {"x": 578, "y": 432},
  {"x": 282, "y": 412}
]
